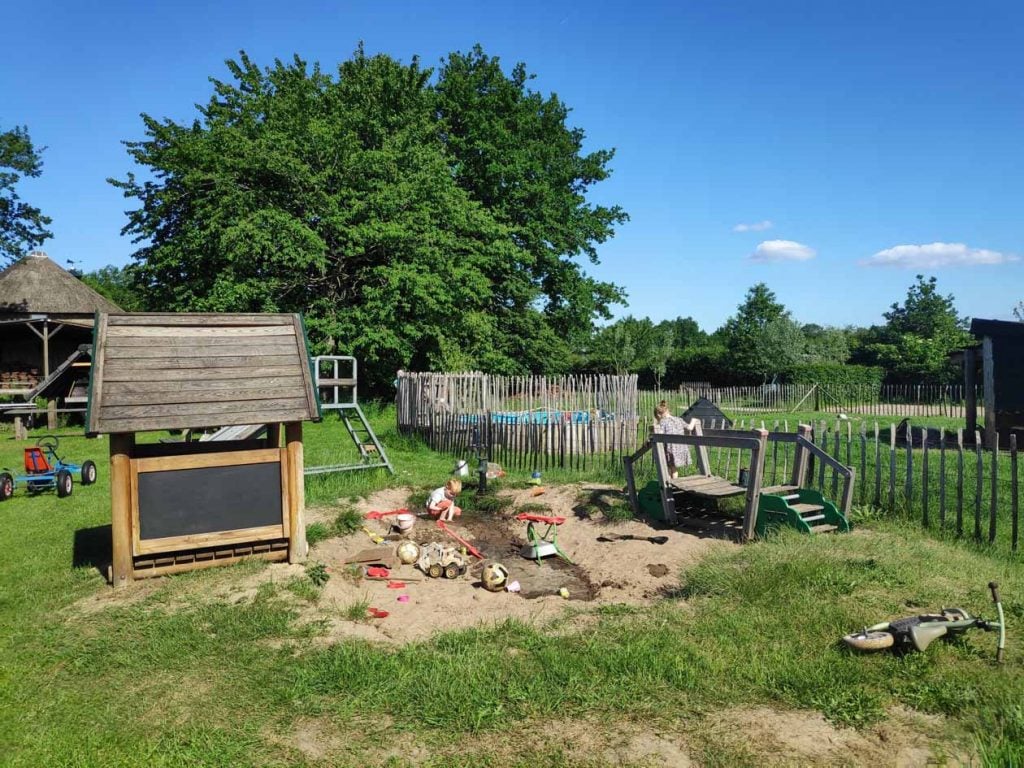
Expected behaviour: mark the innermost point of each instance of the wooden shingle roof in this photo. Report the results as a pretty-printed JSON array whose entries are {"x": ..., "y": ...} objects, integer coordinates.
[{"x": 161, "y": 371}]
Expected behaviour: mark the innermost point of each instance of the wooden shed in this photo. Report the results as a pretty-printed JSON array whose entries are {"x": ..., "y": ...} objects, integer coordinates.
[{"x": 178, "y": 506}]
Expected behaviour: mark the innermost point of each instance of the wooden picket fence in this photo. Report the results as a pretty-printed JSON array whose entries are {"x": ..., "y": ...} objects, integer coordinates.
[
  {"x": 902, "y": 400},
  {"x": 523, "y": 422}
]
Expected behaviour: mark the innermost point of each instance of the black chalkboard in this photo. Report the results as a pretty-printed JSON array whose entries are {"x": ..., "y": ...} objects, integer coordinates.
[{"x": 180, "y": 502}]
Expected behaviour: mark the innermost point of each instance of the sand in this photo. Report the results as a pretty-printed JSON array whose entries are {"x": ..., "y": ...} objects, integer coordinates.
[{"x": 627, "y": 571}]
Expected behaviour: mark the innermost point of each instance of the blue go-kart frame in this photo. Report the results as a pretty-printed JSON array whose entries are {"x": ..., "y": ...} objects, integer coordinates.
[{"x": 45, "y": 470}]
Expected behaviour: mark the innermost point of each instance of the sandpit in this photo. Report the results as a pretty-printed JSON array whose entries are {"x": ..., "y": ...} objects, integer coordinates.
[{"x": 601, "y": 573}]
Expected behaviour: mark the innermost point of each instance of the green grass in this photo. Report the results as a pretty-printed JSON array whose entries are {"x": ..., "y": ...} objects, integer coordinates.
[{"x": 181, "y": 676}]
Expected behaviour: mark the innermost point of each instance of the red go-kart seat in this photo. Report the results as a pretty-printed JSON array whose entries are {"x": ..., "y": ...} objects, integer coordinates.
[{"x": 35, "y": 461}]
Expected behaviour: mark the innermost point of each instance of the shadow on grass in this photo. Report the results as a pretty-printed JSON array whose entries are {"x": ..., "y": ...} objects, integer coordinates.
[{"x": 92, "y": 549}]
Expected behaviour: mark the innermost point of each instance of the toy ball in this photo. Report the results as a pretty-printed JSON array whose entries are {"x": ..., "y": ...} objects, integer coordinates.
[
  {"x": 408, "y": 552},
  {"x": 494, "y": 577}
]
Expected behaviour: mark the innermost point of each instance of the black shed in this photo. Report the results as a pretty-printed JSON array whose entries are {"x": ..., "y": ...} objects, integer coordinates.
[
  {"x": 710, "y": 415},
  {"x": 1002, "y": 371}
]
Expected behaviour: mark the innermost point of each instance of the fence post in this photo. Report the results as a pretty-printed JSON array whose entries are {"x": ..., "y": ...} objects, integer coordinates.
[
  {"x": 1013, "y": 492},
  {"x": 994, "y": 500},
  {"x": 800, "y": 456}
]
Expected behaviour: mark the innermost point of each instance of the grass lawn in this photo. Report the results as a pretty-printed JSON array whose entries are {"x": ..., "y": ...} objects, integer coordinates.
[{"x": 173, "y": 677}]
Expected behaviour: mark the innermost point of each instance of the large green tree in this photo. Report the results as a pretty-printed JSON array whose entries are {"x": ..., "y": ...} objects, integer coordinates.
[
  {"x": 762, "y": 338},
  {"x": 347, "y": 197},
  {"x": 632, "y": 345},
  {"x": 515, "y": 155},
  {"x": 22, "y": 226},
  {"x": 118, "y": 285},
  {"x": 914, "y": 344}
]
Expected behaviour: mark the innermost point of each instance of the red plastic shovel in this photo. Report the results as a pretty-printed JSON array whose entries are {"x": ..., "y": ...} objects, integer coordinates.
[{"x": 378, "y": 515}]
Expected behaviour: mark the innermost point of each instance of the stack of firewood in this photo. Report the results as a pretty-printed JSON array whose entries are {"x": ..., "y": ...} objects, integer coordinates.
[{"x": 15, "y": 376}]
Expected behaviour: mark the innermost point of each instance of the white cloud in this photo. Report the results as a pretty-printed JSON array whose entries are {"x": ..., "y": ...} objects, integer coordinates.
[
  {"x": 936, "y": 255},
  {"x": 782, "y": 250},
  {"x": 759, "y": 226}
]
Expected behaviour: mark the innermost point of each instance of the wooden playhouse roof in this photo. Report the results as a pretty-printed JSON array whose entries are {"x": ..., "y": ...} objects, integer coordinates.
[{"x": 159, "y": 371}]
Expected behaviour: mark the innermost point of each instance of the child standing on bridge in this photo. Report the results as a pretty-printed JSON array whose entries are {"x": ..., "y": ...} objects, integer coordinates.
[
  {"x": 665, "y": 423},
  {"x": 441, "y": 503}
]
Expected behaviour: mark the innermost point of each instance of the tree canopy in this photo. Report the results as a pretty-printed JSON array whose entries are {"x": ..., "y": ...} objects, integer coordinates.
[
  {"x": 417, "y": 224},
  {"x": 918, "y": 335},
  {"x": 762, "y": 338},
  {"x": 22, "y": 226}
]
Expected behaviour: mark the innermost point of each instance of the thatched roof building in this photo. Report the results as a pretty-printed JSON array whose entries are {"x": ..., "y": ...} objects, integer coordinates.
[
  {"x": 46, "y": 313},
  {"x": 36, "y": 286}
]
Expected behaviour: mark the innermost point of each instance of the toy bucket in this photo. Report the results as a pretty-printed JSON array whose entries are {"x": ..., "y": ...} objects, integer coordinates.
[{"x": 405, "y": 522}]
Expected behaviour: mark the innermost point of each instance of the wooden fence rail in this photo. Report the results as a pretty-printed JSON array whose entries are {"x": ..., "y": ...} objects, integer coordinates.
[{"x": 903, "y": 400}]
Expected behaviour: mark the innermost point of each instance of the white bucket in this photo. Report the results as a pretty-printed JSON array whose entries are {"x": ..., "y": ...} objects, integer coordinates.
[
  {"x": 462, "y": 468},
  {"x": 405, "y": 522}
]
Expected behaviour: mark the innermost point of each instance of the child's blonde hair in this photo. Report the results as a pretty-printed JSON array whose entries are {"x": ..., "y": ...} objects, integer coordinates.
[
  {"x": 454, "y": 486},
  {"x": 661, "y": 410}
]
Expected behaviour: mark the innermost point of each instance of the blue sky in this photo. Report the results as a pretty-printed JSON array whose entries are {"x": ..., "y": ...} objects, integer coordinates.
[{"x": 844, "y": 132}]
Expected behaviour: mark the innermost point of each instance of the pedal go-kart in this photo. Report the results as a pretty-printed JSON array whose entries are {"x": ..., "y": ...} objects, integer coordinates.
[
  {"x": 916, "y": 633},
  {"x": 45, "y": 470}
]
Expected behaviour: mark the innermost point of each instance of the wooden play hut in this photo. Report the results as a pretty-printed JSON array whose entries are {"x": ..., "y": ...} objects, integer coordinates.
[{"x": 177, "y": 506}]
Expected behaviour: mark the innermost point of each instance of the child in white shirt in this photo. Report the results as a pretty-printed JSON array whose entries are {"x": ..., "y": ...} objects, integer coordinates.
[{"x": 441, "y": 503}]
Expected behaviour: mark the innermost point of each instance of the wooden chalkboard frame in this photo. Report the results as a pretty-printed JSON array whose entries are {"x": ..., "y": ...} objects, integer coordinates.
[{"x": 200, "y": 461}]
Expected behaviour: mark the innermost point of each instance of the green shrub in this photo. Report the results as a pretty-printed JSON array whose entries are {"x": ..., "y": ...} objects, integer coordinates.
[
  {"x": 317, "y": 532},
  {"x": 840, "y": 376},
  {"x": 348, "y": 521}
]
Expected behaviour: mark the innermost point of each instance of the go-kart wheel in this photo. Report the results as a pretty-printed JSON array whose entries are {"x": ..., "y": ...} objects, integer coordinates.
[
  {"x": 435, "y": 571},
  {"x": 452, "y": 571},
  {"x": 48, "y": 442},
  {"x": 88, "y": 472},
  {"x": 6, "y": 486},
  {"x": 64, "y": 483},
  {"x": 869, "y": 641}
]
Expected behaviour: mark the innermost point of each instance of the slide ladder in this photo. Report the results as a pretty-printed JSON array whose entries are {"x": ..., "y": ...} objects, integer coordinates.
[{"x": 337, "y": 392}]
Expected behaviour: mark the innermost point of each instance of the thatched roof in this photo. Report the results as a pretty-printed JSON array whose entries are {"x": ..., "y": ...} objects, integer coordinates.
[
  {"x": 182, "y": 371},
  {"x": 36, "y": 286}
]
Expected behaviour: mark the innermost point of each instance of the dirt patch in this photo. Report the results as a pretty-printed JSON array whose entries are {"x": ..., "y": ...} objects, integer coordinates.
[
  {"x": 805, "y": 738},
  {"x": 600, "y": 572},
  {"x": 575, "y": 741}
]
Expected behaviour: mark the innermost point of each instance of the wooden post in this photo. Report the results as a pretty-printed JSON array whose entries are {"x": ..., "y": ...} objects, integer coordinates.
[
  {"x": 51, "y": 415},
  {"x": 121, "y": 572},
  {"x": 989, "y": 383},
  {"x": 20, "y": 433},
  {"x": 273, "y": 435},
  {"x": 668, "y": 501},
  {"x": 46, "y": 349},
  {"x": 971, "y": 388},
  {"x": 754, "y": 484},
  {"x": 846, "y": 503},
  {"x": 800, "y": 457},
  {"x": 297, "y": 548}
]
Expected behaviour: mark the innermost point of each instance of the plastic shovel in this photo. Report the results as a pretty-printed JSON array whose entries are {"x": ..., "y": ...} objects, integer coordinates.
[{"x": 630, "y": 537}]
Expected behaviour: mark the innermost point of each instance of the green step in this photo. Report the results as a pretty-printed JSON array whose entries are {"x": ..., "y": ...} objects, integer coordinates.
[{"x": 805, "y": 510}]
